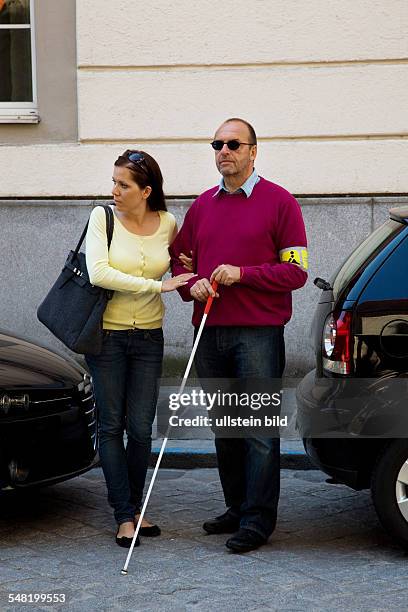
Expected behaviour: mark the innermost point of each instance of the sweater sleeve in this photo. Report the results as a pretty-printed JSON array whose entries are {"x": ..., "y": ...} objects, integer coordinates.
[
  {"x": 183, "y": 244},
  {"x": 290, "y": 273},
  {"x": 97, "y": 261}
]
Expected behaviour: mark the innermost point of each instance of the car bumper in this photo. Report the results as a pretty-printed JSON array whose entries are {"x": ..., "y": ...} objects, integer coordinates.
[
  {"x": 42, "y": 450},
  {"x": 44, "y": 482},
  {"x": 346, "y": 460}
]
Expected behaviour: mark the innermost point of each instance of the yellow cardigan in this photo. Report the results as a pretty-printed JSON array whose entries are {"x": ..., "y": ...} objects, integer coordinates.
[{"x": 133, "y": 269}]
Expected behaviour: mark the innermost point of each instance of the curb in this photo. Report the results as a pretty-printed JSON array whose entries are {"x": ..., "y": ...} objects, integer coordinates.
[{"x": 187, "y": 459}]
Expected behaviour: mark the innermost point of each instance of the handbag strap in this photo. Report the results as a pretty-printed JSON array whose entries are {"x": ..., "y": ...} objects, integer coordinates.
[
  {"x": 109, "y": 224},
  {"x": 109, "y": 229}
]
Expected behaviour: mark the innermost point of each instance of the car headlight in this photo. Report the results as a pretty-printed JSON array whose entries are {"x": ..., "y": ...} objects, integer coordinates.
[{"x": 14, "y": 401}]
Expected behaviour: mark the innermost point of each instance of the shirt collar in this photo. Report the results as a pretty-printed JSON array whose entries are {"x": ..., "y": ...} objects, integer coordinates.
[{"x": 246, "y": 188}]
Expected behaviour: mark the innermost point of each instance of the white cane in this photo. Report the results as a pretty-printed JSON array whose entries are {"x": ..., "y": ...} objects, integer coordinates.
[{"x": 214, "y": 286}]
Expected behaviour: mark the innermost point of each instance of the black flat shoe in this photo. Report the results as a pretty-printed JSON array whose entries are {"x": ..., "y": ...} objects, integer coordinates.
[
  {"x": 226, "y": 523},
  {"x": 125, "y": 542},
  {"x": 150, "y": 532},
  {"x": 245, "y": 540}
]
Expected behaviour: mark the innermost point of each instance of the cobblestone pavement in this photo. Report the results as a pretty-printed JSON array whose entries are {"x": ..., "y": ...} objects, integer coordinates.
[{"x": 328, "y": 552}]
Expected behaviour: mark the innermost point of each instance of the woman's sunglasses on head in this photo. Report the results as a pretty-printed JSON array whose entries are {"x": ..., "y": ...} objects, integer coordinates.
[{"x": 138, "y": 158}]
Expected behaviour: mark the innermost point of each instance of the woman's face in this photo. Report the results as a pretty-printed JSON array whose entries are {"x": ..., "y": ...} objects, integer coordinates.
[{"x": 127, "y": 194}]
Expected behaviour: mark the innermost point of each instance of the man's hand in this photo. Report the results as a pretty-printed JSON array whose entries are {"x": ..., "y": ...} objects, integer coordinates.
[
  {"x": 201, "y": 290},
  {"x": 187, "y": 261},
  {"x": 226, "y": 274}
]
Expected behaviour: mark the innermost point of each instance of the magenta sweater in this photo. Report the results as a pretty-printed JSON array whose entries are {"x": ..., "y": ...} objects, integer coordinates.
[{"x": 251, "y": 233}]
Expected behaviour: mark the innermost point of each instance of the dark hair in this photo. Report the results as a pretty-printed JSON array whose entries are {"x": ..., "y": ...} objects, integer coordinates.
[
  {"x": 252, "y": 135},
  {"x": 145, "y": 173}
]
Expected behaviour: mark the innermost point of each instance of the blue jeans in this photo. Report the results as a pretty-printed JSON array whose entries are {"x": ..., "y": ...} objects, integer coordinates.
[
  {"x": 125, "y": 377},
  {"x": 249, "y": 468}
]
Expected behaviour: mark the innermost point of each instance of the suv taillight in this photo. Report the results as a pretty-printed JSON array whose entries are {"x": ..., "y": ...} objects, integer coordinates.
[{"x": 337, "y": 343}]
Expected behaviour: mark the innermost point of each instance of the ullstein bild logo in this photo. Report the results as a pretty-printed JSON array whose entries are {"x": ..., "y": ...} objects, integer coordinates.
[{"x": 228, "y": 421}]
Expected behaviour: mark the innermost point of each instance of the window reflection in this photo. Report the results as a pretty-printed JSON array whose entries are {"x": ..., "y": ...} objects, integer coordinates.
[
  {"x": 15, "y": 11},
  {"x": 15, "y": 52}
]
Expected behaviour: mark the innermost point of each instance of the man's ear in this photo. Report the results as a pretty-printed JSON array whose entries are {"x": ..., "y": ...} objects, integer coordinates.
[{"x": 253, "y": 153}]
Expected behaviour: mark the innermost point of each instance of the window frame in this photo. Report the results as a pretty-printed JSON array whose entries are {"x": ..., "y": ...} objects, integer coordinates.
[{"x": 23, "y": 112}]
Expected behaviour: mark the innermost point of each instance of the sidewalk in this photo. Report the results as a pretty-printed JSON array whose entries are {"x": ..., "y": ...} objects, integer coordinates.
[{"x": 327, "y": 554}]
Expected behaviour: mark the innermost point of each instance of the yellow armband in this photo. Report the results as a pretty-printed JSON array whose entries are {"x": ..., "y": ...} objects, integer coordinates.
[{"x": 295, "y": 255}]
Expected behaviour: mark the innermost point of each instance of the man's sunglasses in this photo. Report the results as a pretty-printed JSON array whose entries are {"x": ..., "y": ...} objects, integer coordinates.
[{"x": 233, "y": 145}]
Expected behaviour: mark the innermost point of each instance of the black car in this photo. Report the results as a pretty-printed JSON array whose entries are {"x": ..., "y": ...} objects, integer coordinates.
[
  {"x": 353, "y": 408},
  {"x": 47, "y": 416}
]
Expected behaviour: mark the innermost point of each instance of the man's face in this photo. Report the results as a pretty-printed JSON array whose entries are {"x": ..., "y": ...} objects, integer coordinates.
[{"x": 241, "y": 161}]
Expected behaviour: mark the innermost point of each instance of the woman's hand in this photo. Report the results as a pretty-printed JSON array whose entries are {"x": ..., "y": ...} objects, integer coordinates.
[
  {"x": 187, "y": 261},
  {"x": 170, "y": 284}
]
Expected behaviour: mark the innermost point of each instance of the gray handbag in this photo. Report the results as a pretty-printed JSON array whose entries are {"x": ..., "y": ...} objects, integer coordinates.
[{"x": 73, "y": 308}]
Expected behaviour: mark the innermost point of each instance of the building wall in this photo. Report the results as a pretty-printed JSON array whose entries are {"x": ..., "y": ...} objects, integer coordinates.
[
  {"x": 322, "y": 82},
  {"x": 38, "y": 234}
]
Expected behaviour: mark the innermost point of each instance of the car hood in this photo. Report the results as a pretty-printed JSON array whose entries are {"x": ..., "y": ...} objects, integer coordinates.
[{"x": 24, "y": 364}]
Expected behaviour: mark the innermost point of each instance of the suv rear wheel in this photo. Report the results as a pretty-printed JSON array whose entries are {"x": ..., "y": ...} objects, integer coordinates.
[{"x": 389, "y": 489}]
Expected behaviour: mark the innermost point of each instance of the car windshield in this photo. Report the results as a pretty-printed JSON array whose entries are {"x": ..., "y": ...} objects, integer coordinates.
[{"x": 364, "y": 254}]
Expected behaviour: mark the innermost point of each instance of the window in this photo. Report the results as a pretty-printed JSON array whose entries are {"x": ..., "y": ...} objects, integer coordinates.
[
  {"x": 18, "y": 97},
  {"x": 363, "y": 254}
]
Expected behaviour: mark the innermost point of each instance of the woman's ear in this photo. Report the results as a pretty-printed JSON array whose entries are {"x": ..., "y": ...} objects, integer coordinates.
[{"x": 147, "y": 191}]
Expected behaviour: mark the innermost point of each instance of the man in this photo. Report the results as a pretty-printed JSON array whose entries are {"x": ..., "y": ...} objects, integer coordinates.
[{"x": 248, "y": 235}]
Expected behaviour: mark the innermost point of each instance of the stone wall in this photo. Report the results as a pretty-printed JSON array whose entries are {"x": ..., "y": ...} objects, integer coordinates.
[{"x": 37, "y": 235}]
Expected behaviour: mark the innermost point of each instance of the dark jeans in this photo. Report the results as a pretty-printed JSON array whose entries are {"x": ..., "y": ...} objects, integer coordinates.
[
  {"x": 249, "y": 468},
  {"x": 125, "y": 377}
]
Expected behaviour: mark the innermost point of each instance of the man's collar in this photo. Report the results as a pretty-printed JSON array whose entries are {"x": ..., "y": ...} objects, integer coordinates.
[{"x": 246, "y": 188}]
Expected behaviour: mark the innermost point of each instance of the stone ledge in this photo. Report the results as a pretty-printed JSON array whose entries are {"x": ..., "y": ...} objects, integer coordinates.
[{"x": 171, "y": 202}]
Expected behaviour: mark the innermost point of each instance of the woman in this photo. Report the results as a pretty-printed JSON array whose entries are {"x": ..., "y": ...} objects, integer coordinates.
[{"x": 125, "y": 374}]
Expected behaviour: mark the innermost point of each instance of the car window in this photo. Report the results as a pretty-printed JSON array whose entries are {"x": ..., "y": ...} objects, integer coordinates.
[
  {"x": 390, "y": 282},
  {"x": 363, "y": 254}
]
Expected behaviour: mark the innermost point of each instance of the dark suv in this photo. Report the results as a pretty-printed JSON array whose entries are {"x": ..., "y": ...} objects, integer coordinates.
[{"x": 353, "y": 408}]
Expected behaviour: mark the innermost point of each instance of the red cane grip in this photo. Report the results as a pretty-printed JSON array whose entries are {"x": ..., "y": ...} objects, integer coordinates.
[{"x": 210, "y": 298}]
